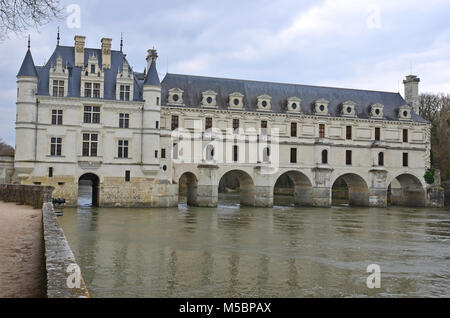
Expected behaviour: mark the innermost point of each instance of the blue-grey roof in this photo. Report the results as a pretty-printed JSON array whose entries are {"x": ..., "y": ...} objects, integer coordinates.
[
  {"x": 28, "y": 68},
  {"x": 152, "y": 76},
  {"x": 67, "y": 53},
  {"x": 194, "y": 86}
]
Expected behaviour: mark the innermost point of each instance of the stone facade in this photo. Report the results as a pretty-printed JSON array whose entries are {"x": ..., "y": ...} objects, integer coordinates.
[{"x": 140, "y": 140}]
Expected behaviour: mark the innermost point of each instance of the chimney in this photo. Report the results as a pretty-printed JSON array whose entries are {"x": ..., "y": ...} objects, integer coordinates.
[
  {"x": 106, "y": 53},
  {"x": 152, "y": 55},
  {"x": 412, "y": 92},
  {"x": 79, "y": 50}
]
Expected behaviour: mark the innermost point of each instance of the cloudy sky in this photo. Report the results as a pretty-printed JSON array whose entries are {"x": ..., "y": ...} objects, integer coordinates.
[{"x": 345, "y": 43}]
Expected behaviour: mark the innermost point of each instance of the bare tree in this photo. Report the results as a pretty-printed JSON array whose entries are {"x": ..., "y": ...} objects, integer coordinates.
[
  {"x": 17, "y": 16},
  {"x": 5, "y": 149}
]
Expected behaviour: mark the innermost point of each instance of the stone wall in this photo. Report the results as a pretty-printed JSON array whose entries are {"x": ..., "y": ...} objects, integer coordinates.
[
  {"x": 34, "y": 196},
  {"x": 59, "y": 258}
]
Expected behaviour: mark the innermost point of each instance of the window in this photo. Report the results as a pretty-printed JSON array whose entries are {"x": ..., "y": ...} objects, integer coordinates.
[
  {"x": 163, "y": 153},
  {"x": 156, "y": 154},
  {"x": 125, "y": 92},
  {"x": 123, "y": 149},
  {"x": 96, "y": 91},
  {"x": 92, "y": 68},
  {"x": 208, "y": 123},
  {"x": 405, "y": 159},
  {"x": 174, "y": 122},
  {"x": 263, "y": 127},
  {"x": 322, "y": 131},
  {"x": 157, "y": 101},
  {"x": 293, "y": 155},
  {"x": 235, "y": 124},
  {"x": 377, "y": 134},
  {"x": 55, "y": 147},
  {"x": 209, "y": 153},
  {"x": 405, "y": 135},
  {"x": 90, "y": 145},
  {"x": 175, "y": 151},
  {"x": 57, "y": 117},
  {"x": 381, "y": 159},
  {"x": 266, "y": 154},
  {"x": 124, "y": 120},
  {"x": 235, "y": 153},
  {"x": 157, "y": 124},
  {"x": 87, "y": 89},
  {"x": 348, "y": 157},
  {"x": 50, "y": 172},
  {"x": 325, "y": 157},
  {"x": 92, "y": 114},
  {"x": 349, "y": 133},
  {"x": 293, "y": 129},
  {"x": 58, "y": 88},
  {"x": 127, "y": 176}
]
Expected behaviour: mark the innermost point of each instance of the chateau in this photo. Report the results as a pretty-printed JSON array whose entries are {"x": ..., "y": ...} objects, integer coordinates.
[{"x": 87, "y": 115}]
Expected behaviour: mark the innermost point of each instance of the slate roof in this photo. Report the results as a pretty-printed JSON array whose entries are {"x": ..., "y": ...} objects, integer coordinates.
[
  {"x": 68, "y": 55},
  {"x": 152, "y": 76},
  {"x": 194, "y": 86},
  {"x": 28, "y": 68}
]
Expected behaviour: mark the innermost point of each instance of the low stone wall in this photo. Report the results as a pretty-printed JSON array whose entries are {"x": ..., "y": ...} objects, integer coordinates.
[
  {"x": 34, "y": 196},
  {"x": 60, "y": 262},
  {"x": 61, "y": 266}
]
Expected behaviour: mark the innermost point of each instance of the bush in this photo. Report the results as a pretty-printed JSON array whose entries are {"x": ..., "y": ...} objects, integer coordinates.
[{"x": 429, "y": 176}]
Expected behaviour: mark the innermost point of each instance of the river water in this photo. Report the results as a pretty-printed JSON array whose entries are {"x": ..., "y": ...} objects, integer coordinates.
[{"x": 233, "y": 251}]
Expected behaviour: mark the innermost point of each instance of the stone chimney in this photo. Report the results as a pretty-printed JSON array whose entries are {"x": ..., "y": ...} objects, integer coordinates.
[
  {"x": 412, "y": 92},
  {"x": 80, "y": 42},
  {"x": 152, "y": 55},
  {"x": 106, "y": 53}
]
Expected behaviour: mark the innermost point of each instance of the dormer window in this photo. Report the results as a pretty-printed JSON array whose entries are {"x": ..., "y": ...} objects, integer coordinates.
[
  {"x": 404, "y": 113},
  {"x": 321, "y": 107},
  {"x": 175, "y": 96},
  {"x": 209, "y": 99},
  {"x": 294, "y": 105},
  {"x": 92, "y": 79},
  {"x": 348, "y": 109},
  {"x": 264, "y": 102},
  {"x": 376, "y": 111},
  {"x": 125, "y": 92},
  {"x": 58, "y": 79},
  {"x": 236, "y": 100}
]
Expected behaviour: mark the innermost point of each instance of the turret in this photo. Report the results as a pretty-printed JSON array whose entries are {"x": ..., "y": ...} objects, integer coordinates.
[
  {"x": 412, "y": 92},
  {"x": 151, "y": 120},
  {"x": 26, "y": 107}
]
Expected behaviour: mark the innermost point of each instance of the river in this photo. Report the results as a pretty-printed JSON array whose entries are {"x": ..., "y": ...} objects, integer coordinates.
[{"x": 233, "y": 251}]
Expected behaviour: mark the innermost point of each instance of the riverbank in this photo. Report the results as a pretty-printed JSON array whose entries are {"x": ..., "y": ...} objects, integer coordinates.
[{"x": 22, "y": 264}]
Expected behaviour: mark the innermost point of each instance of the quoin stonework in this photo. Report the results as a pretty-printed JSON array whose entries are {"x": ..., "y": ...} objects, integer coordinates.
[{"x": 87, "y": 115}]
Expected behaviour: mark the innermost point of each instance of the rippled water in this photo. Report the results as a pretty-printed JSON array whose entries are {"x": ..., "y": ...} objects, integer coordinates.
[{"x": 252, "y": 252}]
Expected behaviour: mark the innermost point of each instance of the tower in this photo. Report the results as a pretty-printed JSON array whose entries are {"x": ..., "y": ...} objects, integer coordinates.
[
  {"x": 26, "y": 116},
  {"x": 412, "y": 92},
  {"x": 151, "y": 117}
]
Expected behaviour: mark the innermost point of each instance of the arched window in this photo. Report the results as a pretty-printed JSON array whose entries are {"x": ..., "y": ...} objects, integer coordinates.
[
  {"x": 325, "y": 157},
  {"x": 209, "y": 153},
  {"x": 381, "y": 159},
  {"x": 266, "y": 154}
]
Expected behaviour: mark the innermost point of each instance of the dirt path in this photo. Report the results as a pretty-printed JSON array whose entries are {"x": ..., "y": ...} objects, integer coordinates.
[{"x": 22, "y": 267}]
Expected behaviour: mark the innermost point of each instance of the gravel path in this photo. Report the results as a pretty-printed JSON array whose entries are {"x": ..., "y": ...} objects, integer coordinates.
[{"x": 22, "y": 266}]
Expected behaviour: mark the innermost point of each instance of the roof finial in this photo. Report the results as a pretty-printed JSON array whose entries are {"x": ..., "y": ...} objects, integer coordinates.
[
  {"x": 29, "y": 41},
  {"x": 57, "y": 38},
  {"x": 121, "y": 41}
]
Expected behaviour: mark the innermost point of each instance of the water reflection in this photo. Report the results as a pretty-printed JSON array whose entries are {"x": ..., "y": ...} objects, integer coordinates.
[{"x": 251, "y": 252}]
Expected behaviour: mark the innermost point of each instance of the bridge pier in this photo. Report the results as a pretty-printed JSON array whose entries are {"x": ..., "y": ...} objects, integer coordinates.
[
  {"x": 377, "y": 197},
  {"x": 321, "y": 197}
]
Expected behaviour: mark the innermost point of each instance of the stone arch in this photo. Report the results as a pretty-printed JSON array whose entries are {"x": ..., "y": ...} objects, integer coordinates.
[
  {"x": 358, "y": 190},
  {"x": 89, "y": 185},
  {"x": 246, "y": 186},
  {"x": 407, "y": 190},
  {"x": 302, "y": 187},
  {"x": 187, "y": 188}
]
